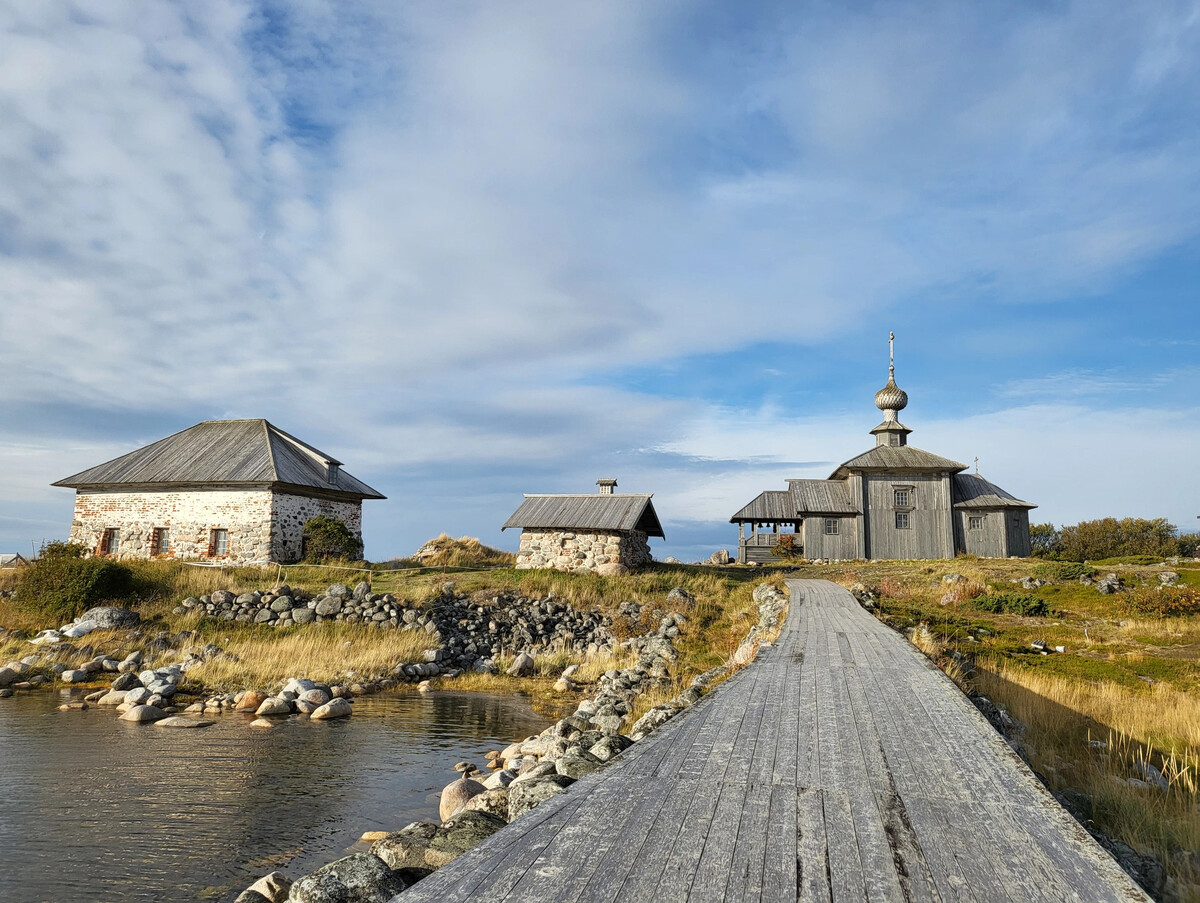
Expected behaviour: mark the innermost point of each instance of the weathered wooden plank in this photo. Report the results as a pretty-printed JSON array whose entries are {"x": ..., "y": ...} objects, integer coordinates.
[
  {"x": 782, "y": 846},
  {"x": 813, "y": 867}
]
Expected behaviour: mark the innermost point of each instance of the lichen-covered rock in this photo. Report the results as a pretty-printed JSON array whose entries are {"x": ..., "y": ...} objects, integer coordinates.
[
  {"x": 493, "y": 802},
  {"x": 358, "y": 878},
  {"x": 464, "y": 831},
  {"x": 523, "y": 796},
  {"x": 109, "y": 617},
  {"x": 522, "y": 666}
]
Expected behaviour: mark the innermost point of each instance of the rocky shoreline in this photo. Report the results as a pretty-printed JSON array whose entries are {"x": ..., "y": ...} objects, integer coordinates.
[{"x": 527, "y": 772}]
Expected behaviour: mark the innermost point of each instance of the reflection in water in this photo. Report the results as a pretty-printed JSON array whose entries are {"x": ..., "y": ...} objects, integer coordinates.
[{"x": 96, "y": 809}]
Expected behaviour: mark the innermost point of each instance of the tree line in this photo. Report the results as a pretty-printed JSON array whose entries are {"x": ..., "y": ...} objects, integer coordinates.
[{"x": 1109, "y": 537}]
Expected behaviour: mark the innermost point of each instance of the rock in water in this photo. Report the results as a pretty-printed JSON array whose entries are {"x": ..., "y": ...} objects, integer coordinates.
[
  {"x": 455, "y": 796},
  {"x": 272, "y": 888},
  {"x": 180, "y": 721},
  {"x": 522, "y": 666},
  {"x": 494, "y": 802},
  {"x": 360, "y": 878},
  {"x": 144, "y": 713},
  {"x": 250, "y": 701},
  {"x": 274, "y": 706},
  {"x": 524, "y": 796},
  {"x": 335, "y": 708},
  {"x": 464, "y": 831}
]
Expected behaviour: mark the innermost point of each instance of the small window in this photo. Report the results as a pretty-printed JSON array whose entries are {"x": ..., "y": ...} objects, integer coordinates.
[
  {"x": 975, "y": 522},
  {"x": 162, "y": 541},
  {"x": 903, "y": 498},
  {"x": 219, "y": 543},
  {"x": 893, "y": 439},
  {"x": 111, "y": 543},
  {"x": 901, "y": 520},
  {"x": 831, "y": 526}
]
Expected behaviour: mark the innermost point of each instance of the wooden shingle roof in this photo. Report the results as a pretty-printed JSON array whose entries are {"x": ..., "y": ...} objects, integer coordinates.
[
  {"x": 620, "y": 512},
  {"x": 897, "y": 457},
  {"x": 970, "y": 490},
  {"x": 822, "y": 497},
  {"x": 770, "y": 507},
  {"x": 225, "y": 452}
]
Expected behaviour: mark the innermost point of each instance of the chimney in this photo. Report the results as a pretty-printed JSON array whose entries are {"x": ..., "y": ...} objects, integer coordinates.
[{"x": 607, "y": 486}]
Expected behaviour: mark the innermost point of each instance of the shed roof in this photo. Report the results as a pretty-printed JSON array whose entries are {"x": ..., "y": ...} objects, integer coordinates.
[
  {"x": 10, "y": 559},
  {"x": 225, "y": 452},
  {"x": 822, "y": 497},
  {"x": 897, "y": 457},
  {"x": 771, "y": 507},
  {"x": 599, "y": 511},
  {"x": 970, "y": 490}
]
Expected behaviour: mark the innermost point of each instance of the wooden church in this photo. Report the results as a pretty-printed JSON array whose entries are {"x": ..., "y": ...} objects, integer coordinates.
[{"x": 894, "y": 501}]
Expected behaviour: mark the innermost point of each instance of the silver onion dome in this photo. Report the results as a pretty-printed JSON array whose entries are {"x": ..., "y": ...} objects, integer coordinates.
[{"x": 891, "y": 397}]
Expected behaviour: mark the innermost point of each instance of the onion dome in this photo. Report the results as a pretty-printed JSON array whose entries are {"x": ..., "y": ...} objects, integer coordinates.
[{"x": 891, "y": 397}]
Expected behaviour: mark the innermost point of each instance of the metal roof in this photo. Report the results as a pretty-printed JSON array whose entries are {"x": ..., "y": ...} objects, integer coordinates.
[
  {"x": 625, "y": 511},
  {"x": 770, "y": 507},
  {"x": 822, "y": 497},
  {"x": 973, "y": 491},
  {"x": 896, "y": 457},
  {"x": 226, "y": 452}
]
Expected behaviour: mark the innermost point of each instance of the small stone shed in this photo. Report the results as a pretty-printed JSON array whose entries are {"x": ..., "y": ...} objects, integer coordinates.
[
  {"x": 607, "y": 532},
  {"x": 234, "y": 491}
]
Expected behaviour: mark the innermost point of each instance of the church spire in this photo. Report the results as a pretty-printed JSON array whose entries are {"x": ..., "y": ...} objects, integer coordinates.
[{"x": 891, "y": 399}]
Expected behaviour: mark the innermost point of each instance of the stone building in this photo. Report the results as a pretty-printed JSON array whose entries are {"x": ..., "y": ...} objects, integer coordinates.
[
  {"x": 893, "y": 501},
  {"x": 606, "y": 532},
  {"x": 235, "y": 491}
]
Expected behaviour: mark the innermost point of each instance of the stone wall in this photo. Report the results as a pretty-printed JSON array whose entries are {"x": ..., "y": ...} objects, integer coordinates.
[
  {"x": 190, "y": 516},
  {"x": 291, "y": 512},
  {"x": 587, "y": 549}
]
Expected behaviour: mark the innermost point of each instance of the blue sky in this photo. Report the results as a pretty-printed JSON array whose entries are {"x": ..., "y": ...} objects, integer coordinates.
[{"x": 475, "y": 250}]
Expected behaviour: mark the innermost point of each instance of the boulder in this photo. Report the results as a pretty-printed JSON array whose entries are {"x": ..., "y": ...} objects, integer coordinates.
[
  {"x": 126, "y": 681},
  {"x": 576, "y": 762},
  {"x": 610, "y": 746},
  {"x": 74, "y": 676},
  {"x": 719, "y": 557},
  {"x": 143, "y": 714},
  {"x": 109, "y": 617},
  {"x": 493, "y": 801},
  {"x": 112, "y": 697},
  {"x": 317, "y": 696},
  {"x": 409, "y": 848},
  {"x": 273, "y": 705},
  {"x": 329, "y": 606},
  {"x": 464, "y": 831},
  {"x": 251, "y": 896},
  {"x": 522, "y": 666},
  {"x": 335, "y": 708},
  {"x": 611, "y": 569},
  {"x": 358, "y": 878},
  {"x": 180, "y": 721},
  {"x": 250, "y": 701},
  {"x": 524, "y": 796},
  {"x": 303, "y": 615},
  {"x": 7, "y": 676},
  {"x": 456, "y": 794},
  {"x": 273, "y": 887}
]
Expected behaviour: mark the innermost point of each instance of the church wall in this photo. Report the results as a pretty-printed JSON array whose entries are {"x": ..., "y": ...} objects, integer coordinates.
[
  {"x": 842, "y": 546},
  {"x": 930, "y": 531},
  {"x": 1019, "y": 543},
  {"x": 989, "y": 541}
]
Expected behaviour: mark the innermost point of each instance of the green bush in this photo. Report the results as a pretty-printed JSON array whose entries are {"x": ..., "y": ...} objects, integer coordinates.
[
  {"x": 786, "y": 547},
  {"x": 1108, "y": 538},
  {"x": 328, "y": 538},
  {"x": 1164, "y": 601},
  {"x": 1013, "y": 604},
  {"x": 63, "y": 586},
  {"x": 1063, "y": 570}
]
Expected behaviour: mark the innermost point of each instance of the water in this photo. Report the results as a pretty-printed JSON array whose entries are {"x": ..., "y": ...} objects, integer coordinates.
[{"x": 93, "y": 809}]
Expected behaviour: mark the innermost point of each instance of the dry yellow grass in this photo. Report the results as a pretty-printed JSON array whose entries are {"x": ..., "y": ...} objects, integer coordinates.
[{"x": 324, "y": 652}]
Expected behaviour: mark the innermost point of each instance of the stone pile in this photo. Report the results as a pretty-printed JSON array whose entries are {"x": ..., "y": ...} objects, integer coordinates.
[{"x": 466, "y": 632}]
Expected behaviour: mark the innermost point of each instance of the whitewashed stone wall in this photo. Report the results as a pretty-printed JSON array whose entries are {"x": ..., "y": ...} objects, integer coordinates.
[
  {"x": 570, "y": 550},
  {"x": 291, "y": 512},
  {"x": 190, "y": 516}
]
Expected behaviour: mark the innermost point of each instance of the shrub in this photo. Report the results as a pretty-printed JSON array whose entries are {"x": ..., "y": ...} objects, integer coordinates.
[
  {"x": 328, "y": 537},
  {"x": 1063, "y": 570},
  {"x": 59, "y": 549},
  {"x": 1109, "y": 537},
  {"x": 1045, "y": 540},
  {"x": 1164, "y": 601},
  {"x": 63, "y": 586},
  {"x": 1013, "y": 604},
  {"x": 786, "y": 547}
]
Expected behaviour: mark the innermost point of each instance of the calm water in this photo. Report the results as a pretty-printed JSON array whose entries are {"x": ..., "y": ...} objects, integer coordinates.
[{"x": 95, "y": 809}]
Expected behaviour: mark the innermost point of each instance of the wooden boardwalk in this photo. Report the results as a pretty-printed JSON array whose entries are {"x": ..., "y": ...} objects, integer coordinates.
[{"x": 840, "y": 766}]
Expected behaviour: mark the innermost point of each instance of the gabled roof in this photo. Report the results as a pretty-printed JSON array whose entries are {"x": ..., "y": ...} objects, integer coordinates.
[
  {"x": 822, "y": 497},
  {"x": 9, "y": 559},
  {"x": 226, "y": 452},
  {"x": 593, "y": 511},
  {"x": 970, "y": 490},
  {"x": 897, "y": 457},
  {"x": 770, "y": 507}
]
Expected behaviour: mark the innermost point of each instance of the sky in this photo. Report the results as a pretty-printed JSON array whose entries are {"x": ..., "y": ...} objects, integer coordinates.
[{"x": 475, "y": 249}]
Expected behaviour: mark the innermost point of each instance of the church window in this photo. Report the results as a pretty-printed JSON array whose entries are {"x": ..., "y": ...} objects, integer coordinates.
[
  {"x": 111, "y": 543},
  {"x": 901, "y": 520},
  {"x": 903, "y": 497},
  {"x": 162, "y": 541},
  {"x": 893, "y": 439},
  {"x": 975, "y": 522},
  {"x": 831, "y": 526},
  {"x": 218, "y": 543}
]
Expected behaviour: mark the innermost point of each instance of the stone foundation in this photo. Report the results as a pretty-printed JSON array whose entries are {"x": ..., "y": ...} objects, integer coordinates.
[{"x": 582, "y": 549}]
